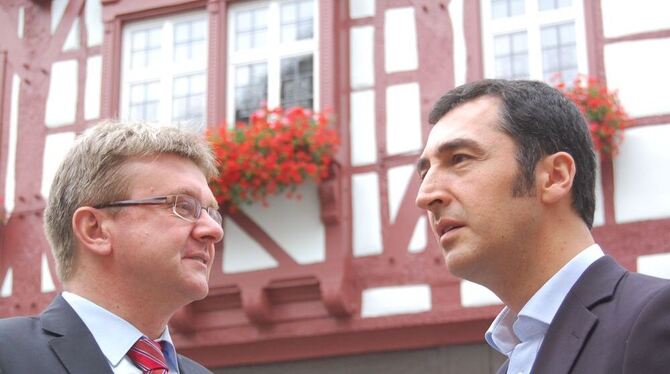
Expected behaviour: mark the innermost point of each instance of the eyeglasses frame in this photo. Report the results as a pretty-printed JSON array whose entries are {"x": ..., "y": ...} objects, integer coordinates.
[{"x": 165, "y": 200}]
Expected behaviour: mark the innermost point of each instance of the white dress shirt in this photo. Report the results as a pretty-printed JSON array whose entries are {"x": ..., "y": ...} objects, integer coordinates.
[
  {"x": 115, "y": 336},
  {"x": 520, "y": 337}
]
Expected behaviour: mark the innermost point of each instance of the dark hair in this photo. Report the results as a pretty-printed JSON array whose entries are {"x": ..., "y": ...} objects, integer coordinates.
[{"x": 541, "y": 121}]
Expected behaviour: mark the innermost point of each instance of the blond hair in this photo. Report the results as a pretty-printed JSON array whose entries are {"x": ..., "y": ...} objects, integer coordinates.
[{"x": 91, "y": 174}]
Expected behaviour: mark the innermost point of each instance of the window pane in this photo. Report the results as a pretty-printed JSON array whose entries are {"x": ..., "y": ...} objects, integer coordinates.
[
  {"x": 139, "y": 40},
  {"x": 520, "y": 66},
  {"x": 499, "y": 8},
  {"x": 188, "y": 99},
  {"x": 181, "y": 32},
  {"x": 155, "y": 38},
  {"x": 502, "y": 45},
  {"x": 519, "y": 42},
  {"x": 250, "y": 90},
  {"x": 297, "y": 20},
  {"x": 244, "y": 21},
  {"x": 251, "y": 29},
  {"x": 503, "y": 67},
  {"x": 550, "y": 59},
  {"x": 547, "y": 4},
  {"x": 516, "y": 7},
  {"x": 189, "y": 44},
  {"x": 296, "y": 82},
  {"x": 549, "y": 37},
  {"x": 567, "y": 33}
]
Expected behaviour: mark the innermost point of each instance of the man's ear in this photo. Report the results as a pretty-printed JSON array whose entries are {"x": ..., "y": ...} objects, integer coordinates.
[
  {"x": 556, "y": 172},
  {"x": 91, "y": 229}
]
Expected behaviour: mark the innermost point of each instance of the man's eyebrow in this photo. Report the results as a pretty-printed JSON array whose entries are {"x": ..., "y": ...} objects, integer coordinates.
[{"x": 457, "y": 143}]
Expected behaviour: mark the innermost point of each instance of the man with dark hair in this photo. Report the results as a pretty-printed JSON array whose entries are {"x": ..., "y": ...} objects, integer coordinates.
[
  {"x": 507, "y": 177},
  {"x": 132, "y": 224}
]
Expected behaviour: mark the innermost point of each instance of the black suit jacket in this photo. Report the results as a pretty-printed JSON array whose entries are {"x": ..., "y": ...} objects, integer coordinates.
[
  {"x": 57, "y": 341},
  {"x": 612, "y": 321}
]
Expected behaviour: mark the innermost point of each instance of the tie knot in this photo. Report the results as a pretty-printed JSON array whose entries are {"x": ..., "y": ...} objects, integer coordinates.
[{"x": 147, "y": 355}]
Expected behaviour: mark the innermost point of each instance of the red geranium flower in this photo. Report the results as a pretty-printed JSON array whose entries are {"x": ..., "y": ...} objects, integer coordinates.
[{"x": 274, "y": 153}]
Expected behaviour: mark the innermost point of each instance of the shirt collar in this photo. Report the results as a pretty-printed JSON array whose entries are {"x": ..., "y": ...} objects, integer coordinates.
[
  {"x": 114, "y": 335},
  {"x": 536, "y": 316}
]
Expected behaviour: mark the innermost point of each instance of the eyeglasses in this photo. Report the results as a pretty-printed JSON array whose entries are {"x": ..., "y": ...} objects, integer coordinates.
[{"x": 185, "y": 207}]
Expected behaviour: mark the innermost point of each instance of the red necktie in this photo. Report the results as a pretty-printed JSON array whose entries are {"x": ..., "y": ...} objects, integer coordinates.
[{"x": 147, "y": 355}]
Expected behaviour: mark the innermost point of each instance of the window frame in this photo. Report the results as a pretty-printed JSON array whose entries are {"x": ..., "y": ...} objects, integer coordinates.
[
  {"x": 272, "y": 54},
  {"x": 532, "y": 22}
]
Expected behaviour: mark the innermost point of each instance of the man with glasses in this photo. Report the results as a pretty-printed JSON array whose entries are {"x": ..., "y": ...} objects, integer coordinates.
[{"x": 132, "y": 224}]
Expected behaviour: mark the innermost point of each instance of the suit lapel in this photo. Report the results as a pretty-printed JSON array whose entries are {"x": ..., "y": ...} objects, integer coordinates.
[
  {"x": 72, "y": 342},
  {"x": 574, "y": 321}
]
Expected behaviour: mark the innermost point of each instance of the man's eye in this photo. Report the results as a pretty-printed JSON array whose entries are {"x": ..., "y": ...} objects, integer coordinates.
[{"x": 458, "y": 158}]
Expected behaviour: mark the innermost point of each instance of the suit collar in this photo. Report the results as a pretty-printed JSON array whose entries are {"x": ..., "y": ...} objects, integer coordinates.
[
  {"x": 72, "y": 342},
  {"x": 570, "y": 329}
]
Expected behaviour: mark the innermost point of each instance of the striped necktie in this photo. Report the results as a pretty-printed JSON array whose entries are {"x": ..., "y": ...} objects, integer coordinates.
[{"x": 147, "y": 355}]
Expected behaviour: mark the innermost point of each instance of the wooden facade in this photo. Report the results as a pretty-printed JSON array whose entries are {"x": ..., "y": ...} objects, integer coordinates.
[{"x": 292, "y": 311}]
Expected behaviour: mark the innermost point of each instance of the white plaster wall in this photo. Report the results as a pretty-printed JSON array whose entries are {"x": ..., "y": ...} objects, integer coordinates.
[
  {"x": 386, "y": 301},
  {"x": 599, "y": 214},
  {"x": 398, "y": 182},
  {"x": 631, "y": 17},
  {"x": 20, "y": 22},
  {"x": 10, "y": 176},
  {"x": 72, "y": 40},
  {"x": 636, "y": 69},
  {"x": 460, "y": 52},
  {"x": 366, "y": 220},
  {"x": 475, "y": 295},
  {"x": 56, "y": 147},
  {"x": 641, "y": 176},
  {"x": 285, "y": 217},
  {"x": 46, "y": 280},
  {"x": 57, "y": 11},
  {"x": 400, "y": 49},
  {"x": 7, "y": 284},
  {"x": 242, "y": 253},
  {"x": 403, "y": 118},
  {"x": 93, "y": 87},
  {"x": 62, "y": 100},
  {"x": 361, "y": 8},
  {"x": 363, "y": 131},
  {"x": 362, "y": 57},
  {"x": 93, "y": 12},
  {"x": 656, "y": 265},
  {"x": 419, "y": 239}
]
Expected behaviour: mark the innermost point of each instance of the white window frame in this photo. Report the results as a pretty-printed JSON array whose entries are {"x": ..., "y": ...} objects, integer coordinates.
[
  {"x": 168, "y": 69},
  {"x": 532, "y": 22},
  {"x": 272, "y": 54}
]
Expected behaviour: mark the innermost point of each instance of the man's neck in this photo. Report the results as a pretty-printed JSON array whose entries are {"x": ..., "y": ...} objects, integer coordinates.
[
  {"x": 554, "y": 251},
  {"x": 146, "y": 315}
]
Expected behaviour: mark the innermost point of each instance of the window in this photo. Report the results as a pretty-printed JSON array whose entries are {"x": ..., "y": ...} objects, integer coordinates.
[
  {"x": 272, "y": 57},
  {"x": 164, "y": 70},
  {"x": 533, "y": 39}
]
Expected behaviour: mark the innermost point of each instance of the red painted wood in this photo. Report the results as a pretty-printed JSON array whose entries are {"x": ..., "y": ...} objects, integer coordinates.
[{"x": 292, "y": 312}]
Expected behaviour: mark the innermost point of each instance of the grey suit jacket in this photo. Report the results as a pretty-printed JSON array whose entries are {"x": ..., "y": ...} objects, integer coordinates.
[
  {"x": 57, "y": 341},
  {"x": 612, "y": 321}
]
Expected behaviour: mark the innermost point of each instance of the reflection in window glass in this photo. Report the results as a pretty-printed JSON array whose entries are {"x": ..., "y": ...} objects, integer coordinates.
[
  {"x": 507, "y": 8},
  {"x": 559, "y": 52},
  {"x": 296, "y": 82},
  {"x": 554, "y": 4},
  {"x": 250, "y": 90},
  {"x": 297, "y": 20},
  {"x": 188, "y": 99},
  {"x": 145, "y": 48},
  {"x": 190, "y": 40},
  {"x": 251, "y": 29},
  {"x": 144, "y": 98},
  {"x": 511, "y": 56}
]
